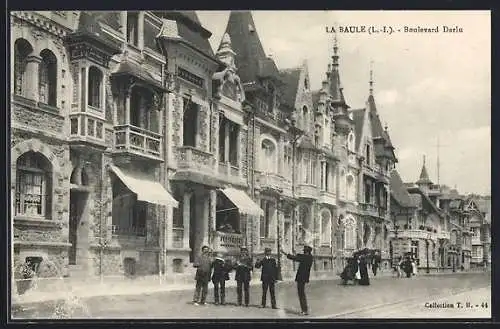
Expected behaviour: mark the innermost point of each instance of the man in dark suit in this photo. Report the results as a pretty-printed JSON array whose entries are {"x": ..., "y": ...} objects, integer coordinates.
[
  {"x": 268, "y": 276},
  {"x": 244, "y": 266},
  {"x": 305, "y": 261},
  {"x": 219, "y": 278},
  {"x": 203, "y": 271}
]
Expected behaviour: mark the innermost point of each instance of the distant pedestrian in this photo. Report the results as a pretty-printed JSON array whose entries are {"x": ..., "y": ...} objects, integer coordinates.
[
  {"x": 219, "y": 277},
  {"x": 203, "y": 271},
  {"x": 305, "y": 261},
  {"x": 244, "y": 267},
  {"x": 363, "y": 271},
  {"x": 269, "y": 276},
  {"x": 414, "y": 266}
]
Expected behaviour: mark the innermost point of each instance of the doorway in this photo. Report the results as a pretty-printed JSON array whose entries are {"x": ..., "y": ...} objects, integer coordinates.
[{"x": 78, "y": 228}]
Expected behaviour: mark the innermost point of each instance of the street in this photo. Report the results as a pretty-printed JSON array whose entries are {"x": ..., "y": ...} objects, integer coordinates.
[{"x": 385, "y": 297}]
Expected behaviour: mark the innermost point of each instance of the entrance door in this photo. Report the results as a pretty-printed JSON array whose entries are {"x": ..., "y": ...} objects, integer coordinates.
[
  {"x": 74, "y": 218},
  {"x": 78, "y": 231}
]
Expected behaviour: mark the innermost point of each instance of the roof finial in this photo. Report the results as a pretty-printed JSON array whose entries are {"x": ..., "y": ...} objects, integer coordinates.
[
  {"x": 424, "y": 159},
  {"x": 371, "y": 78},
  {"x": 385, "y": 127}
]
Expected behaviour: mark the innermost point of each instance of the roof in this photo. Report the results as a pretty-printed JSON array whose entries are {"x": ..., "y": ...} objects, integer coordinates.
[
  {"x": 335, "y": 87},
  {"x": 89, "y": 26},
  {"x": 190, "y": 29},
  {"x": 315, "y": 97},
  {"x": 251, "y": 59},
  {"x": 424, "y": 176},
  {"x": 290, "y": 78},
  {"x": 359, "y": 120},
  {"x": 417, "y": 190},
  {"x": 127, "y": 67},
  {"x": 380, "y": 135},
  {"x": 399, "y": 191}
]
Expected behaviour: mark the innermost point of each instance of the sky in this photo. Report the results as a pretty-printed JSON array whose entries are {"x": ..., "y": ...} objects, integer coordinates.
[{"x": 427, "y": 87}]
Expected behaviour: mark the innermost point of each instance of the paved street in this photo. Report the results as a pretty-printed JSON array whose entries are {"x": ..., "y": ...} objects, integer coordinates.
[{"x": 327, "y": 299}]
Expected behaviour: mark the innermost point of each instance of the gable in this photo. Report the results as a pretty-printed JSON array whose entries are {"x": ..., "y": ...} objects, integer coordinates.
[{"x": 471, "y": 205}]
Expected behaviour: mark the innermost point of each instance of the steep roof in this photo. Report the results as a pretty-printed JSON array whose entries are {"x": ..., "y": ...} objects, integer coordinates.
[
  {"x": 383, "y": 143},
  {"x": 89, "y": 27},
  {"x": 399, "y": 191},
  {"x": 251, "y": 59},
  {"x": 418, "y": 191},
  {"x": 189, "y": 29},
  {"x": 359, "y": 120},
  {"x": 424, "y": 176},
  {"x": 290, "y": 79}
]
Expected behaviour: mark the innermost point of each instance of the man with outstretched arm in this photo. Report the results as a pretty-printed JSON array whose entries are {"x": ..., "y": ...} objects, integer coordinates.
[{"x": 305, "y": 261}]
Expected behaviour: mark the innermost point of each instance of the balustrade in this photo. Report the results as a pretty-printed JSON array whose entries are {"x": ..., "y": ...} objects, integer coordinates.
[{"x": 137, "y": 140}]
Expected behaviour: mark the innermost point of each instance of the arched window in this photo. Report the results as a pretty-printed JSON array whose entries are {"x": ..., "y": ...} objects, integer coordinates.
[
  {"x": 95, "y": 87},
  {"x": 33, "y": 185},
  {"x": 47, "y": 78},
  {"x": 305, "y": 118},
  {"x": 326, "y": 228},
  {"x": 268, "y": 156},
  {"x": 350, "y": 233},
  {"x": 343, "y": 183},
  {"x": 22, "y": 49},
  {"x": 368, "y": 154}
]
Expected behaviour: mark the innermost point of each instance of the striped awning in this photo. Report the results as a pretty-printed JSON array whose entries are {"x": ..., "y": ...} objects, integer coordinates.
[
  {"x": 146, "y": 189},
  {"x": 243, "y": 202}
]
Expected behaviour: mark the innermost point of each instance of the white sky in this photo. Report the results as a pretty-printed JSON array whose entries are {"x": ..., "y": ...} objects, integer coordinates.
[{"x": 426, "y": 85}]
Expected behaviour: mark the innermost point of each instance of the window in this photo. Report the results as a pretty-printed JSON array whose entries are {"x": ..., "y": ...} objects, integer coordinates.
[
  {"x": 350, "y": 233},
  {"x": 342, "y": 183},
  {"x": 142, "y": 113},
  {"x": 327, "y": 133},
  {"x": 367, "y": 154},
  {"x": 306, "y": 168},
  {"x": 305, "y": 118},
  {"x": 190, "y": 122},
  {"x": 95, "y": 87},
  {"x": 414, "y": 249},
  {"x": 47, "y": 78},
  {"x": 265, "y": 221},
  {"x": 350, "y": 188},
  {"x": 268, "y": 156},
  {"x": 22, "y": 49},
  {"x": 288, "y": 162},
  {"x": 368, "y": 192},
  {"x": 234, "y": 134},
  {"x": 33, "y": 188},
  {"x": 129, "y": 215},
  {"x": 350, "y": 142},
  {"x": 133, "y": 28},
  {"x": 326, "y": 228},
  {"x": 222, "y": 139}
]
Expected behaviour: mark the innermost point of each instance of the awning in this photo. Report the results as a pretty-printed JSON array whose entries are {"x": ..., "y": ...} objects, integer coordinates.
[
  {"x": 146, "y": 189},
  {"x": 241, "y": 200}
]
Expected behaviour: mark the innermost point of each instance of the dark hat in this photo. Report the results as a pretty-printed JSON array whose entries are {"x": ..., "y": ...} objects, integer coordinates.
[
  {"x": 205, "y": 247},
  {"x": 307, "y": 249},
  {"x": 267, "y": 249}
]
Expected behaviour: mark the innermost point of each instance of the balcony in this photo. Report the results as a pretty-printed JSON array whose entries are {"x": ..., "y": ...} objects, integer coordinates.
[
  {"x": 327, "y": 197},
  {"x": 87, "y": 129},
  {"x": 287, "y": 187},
  {"x": 270, "y": 181},
  {"x": 227, "y": 242},
  {"x": 373, "y": 210},
  {"x": 374, "y": 171},
  {"x": 307, "y": 191},
  {"x": 138, "y": 141},
  {"x": 191, "y": 158},
  {"x": 229, "y": 172},
  {"x": 128, "y": 235},
  {"x": 177, "y": 237}
]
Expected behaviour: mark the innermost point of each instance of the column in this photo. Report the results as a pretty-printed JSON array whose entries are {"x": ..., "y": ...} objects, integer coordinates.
[
  {"x": 140, "y": 29},
  {"x": 127, "y": 107},
  {"x": 226, "y": 143},
  {"x": 212, "y": 215},
  {"x": 32, "y": 69},
  {"x": 186, "y": 217},
  {"x": 205, "y": 219},
  {"x": 84, "y": 88}
]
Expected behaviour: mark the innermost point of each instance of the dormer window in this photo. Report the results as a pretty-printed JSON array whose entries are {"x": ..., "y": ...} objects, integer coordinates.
[
  {"x": 367, "y": 154},
  {"x": 306, "y": 84},
  {"x": 133, "y": 28}
]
